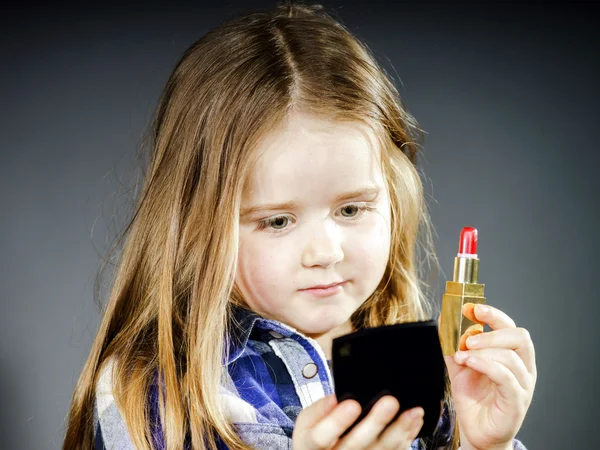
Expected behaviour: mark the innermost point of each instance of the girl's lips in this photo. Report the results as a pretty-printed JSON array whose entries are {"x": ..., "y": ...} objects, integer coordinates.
[{"x": 325, "y": 292}]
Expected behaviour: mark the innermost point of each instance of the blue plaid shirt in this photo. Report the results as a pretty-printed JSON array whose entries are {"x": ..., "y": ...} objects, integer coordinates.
[{"x": 273, "y": 372}]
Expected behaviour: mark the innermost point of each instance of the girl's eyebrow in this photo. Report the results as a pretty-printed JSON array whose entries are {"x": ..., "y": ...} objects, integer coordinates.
[{"x": 363, "y": 192}]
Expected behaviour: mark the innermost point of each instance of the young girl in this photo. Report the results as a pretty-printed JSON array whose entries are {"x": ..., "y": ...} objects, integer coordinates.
[{"x": 281, "y": 209}]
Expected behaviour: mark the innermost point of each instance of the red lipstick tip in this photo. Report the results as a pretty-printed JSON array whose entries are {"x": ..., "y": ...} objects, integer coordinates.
[{"x": 468, "y": 241}]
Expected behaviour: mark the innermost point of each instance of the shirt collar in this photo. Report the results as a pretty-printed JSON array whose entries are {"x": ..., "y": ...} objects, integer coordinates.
[{"x": 242, "y": 325}]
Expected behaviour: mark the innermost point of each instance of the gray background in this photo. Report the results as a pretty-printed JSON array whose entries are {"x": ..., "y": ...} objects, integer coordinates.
[{"x": 508, "y": 96}]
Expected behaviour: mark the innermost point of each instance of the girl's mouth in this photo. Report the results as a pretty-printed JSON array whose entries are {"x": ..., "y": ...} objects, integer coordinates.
[{"x": 325, "y": 291}]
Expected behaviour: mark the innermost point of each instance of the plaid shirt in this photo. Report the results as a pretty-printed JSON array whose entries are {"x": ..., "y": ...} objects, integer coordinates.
[{"x": 273, "y": 372}]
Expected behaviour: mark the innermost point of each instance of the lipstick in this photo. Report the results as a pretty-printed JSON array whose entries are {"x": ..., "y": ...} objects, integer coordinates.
[{"x": 463, "y": 288}]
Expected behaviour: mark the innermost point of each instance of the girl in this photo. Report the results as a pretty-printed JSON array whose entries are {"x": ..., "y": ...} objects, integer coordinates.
[{"x": 281, "y": 209}]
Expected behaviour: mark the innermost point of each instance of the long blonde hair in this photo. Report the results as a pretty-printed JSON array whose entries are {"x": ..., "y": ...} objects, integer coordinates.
[{"x": 169, "y": 308}]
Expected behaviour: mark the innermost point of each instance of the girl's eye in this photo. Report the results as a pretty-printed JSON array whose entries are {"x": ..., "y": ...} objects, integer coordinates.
[
  {"x": 280, "y": 223},
  {"x": 275, "y": 223},
  {"x": 351, "y": 211}
]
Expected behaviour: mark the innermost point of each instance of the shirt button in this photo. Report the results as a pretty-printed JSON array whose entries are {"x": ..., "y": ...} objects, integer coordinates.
[
  {"x": 310, "y": 370},
  {"x": 275, "y": 334}
]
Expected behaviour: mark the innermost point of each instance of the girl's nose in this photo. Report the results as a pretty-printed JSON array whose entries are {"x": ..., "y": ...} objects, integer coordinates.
[{"x": 324, "y": 247}]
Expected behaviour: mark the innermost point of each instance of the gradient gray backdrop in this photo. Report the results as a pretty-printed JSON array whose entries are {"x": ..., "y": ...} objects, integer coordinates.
[{"x": 508, "y": 96}]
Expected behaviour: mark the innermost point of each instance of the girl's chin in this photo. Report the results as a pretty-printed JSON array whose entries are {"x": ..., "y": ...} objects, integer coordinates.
[{"x": 319, "y": 327}]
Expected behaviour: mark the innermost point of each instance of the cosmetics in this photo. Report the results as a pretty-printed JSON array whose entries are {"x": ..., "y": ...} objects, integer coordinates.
[{"x": 463, "y": 288}]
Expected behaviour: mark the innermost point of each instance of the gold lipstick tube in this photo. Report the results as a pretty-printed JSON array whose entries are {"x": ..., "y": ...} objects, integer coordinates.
[{"x": 463, "y": 288}]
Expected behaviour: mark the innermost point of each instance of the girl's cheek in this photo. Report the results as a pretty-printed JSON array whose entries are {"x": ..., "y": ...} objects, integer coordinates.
[
  {"x": 373, "y": 231},
  {"x": 272, "y": 254},
  {"x": 370, "y": 242}
]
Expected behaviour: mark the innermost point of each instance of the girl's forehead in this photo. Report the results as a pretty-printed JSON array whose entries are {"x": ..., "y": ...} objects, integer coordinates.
[
  {"x": 310, "y": 155},
  {"x": 305, "y": 137}
]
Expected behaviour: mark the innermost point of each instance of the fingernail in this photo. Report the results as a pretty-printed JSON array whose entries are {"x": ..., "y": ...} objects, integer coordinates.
[
  {"x": 483, "y": 309},
  {"x": 460, "y": 357},
  {"x": 390, "y": 405},
  {"x": 415, "y": 414},
  {"x": 472, "y": 341},
  {"x": 351, "y": 408},
  {"x": 416, "y": 424}
]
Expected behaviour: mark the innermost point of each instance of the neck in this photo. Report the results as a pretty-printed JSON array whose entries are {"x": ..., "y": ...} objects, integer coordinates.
[{"x": 325, "y": 340}]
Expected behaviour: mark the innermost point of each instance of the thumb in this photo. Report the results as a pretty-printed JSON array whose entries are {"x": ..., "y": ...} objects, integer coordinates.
[
  {"x": 312, "y": 414},
  {"x": 452, "y": 366}
]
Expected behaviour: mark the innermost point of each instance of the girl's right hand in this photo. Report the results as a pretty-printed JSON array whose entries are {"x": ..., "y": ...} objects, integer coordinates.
[{"x": 319, "y": 426}]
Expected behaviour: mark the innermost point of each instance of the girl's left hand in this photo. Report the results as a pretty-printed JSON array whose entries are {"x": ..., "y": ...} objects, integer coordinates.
[{"x": 493, "y": 381}]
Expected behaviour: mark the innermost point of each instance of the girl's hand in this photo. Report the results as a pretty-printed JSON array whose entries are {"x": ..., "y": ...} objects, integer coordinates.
[
  {"x": 493, "y": 381},
  {"x": 320, "y": 426}
]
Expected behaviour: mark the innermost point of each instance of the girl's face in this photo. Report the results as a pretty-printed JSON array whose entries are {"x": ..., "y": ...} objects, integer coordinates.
[{"x": 315, "y": 211}]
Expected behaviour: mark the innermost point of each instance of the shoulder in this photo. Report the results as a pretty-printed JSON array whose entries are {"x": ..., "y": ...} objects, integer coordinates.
[{"x": 110, "y": 429}]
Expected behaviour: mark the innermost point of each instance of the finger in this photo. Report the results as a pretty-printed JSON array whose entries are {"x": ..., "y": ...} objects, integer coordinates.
[
  {"x": 467, "y": 310},
  {"x": 471, "y": 331},
  {"x": 506, "y": 382},
  {"x": 495, "y": 318},
  {"x": 453, "y": 368},
  {"x": 517, "y": 339},
  {"x": 318, "y": 410},
  {"x": 327, "y": 430},
  {"x": 403, "y": 431},
  {"x": 365, "y": 433},
  {"x": 508, "y": 358}
]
